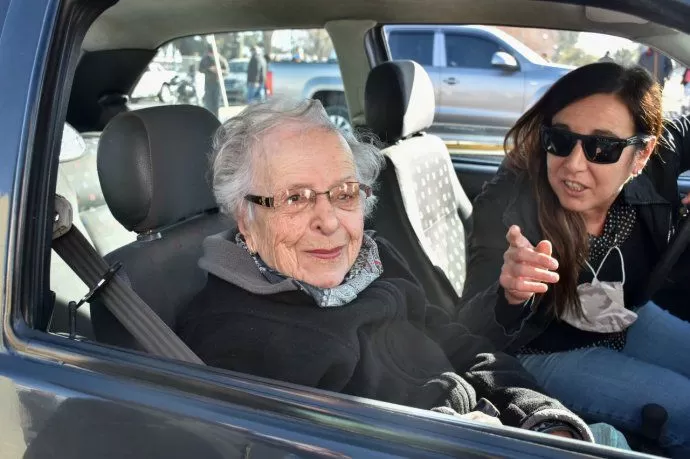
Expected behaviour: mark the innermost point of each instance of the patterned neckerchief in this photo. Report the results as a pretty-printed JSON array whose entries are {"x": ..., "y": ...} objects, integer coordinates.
[{"x": 365, "y": 270}]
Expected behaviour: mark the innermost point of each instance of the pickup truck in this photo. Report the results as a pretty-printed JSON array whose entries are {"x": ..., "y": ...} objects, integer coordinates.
[{"x": 484, "y": 79}]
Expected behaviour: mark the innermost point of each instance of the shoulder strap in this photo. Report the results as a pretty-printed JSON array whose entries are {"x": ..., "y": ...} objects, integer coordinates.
[{"x": 129, "y": 309}]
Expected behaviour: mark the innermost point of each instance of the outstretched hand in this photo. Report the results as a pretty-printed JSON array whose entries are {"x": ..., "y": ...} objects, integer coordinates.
[{"x": 526, "y": 269}]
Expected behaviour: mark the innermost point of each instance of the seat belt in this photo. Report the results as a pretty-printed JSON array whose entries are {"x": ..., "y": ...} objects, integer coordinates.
[{"x": 154, "y": 335}]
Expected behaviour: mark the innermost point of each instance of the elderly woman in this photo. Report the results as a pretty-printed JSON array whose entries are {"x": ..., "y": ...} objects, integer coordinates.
[{"x": 299, "y": 292}]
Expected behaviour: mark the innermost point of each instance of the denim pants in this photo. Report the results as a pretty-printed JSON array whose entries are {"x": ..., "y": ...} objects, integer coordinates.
[
  {"x": 603, "y": 385},
  {"x": 254, "y": 93}
]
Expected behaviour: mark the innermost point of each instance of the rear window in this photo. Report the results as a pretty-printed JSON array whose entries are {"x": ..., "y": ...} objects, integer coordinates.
[
  {"x": 238, "y": 67},
  {"x": 416, "y": 46}
]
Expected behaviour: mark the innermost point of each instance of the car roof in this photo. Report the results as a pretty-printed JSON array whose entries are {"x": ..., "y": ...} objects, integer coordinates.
[{"x": 149, "y": 23}]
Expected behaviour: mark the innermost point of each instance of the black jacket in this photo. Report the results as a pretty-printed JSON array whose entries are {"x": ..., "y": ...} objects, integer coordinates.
[
  {"x": 256, "y": 70},
  {"x": 509, "y": 200},
  {"x": 378, "y": 346}
]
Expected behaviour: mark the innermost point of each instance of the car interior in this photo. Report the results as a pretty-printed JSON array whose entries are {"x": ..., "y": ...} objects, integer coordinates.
[{"x": 140, "y": 191}]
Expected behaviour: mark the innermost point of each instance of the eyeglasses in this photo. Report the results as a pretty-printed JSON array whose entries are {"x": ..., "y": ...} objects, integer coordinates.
[
  {"x": 598, "y": 149},
  {"x": 345, "y": 196}
]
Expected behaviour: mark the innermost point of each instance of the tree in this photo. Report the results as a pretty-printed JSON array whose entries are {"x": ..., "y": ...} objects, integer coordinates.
[
  {"x": 626, "y": 56},
  {"x": 267, "y": 38},
  {"x": 568, "y": 53},
  {"x": 317, "y": 43}
]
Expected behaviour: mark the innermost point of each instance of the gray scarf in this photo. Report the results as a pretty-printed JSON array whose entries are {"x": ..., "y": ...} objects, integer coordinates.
[{"x": 366, "y": 269}]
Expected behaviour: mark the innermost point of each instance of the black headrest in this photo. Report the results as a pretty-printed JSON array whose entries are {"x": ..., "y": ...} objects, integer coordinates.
[
  {"x": 398, "y": 100},
  {"x": 153, "y": 165}
]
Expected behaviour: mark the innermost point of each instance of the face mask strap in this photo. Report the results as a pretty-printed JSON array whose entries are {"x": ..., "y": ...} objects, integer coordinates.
[{"x": 620, "y": 254}]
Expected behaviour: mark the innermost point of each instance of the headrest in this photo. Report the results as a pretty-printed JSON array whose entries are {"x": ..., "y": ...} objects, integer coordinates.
[
  {"x": 153, "y": 165},
  {"x": 399, "y": 100}
]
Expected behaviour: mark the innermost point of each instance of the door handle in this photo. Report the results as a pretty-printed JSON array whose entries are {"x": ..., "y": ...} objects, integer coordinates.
[{"x": 451, "y": 81}]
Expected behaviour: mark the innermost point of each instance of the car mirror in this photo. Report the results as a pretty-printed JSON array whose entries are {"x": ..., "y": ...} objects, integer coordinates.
[
  {"x": 505, "y": 61},
  {"x": 73, "y": 145}
]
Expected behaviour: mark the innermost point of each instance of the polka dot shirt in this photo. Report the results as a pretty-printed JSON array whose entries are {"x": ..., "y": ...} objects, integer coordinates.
[{"x": 619, "y": 224}]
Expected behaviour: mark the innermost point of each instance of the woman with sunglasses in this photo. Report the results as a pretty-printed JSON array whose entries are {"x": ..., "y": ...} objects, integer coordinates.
[{"x": 565, "y": 238}]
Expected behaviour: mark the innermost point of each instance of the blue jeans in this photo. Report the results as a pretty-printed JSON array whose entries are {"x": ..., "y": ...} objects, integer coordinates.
[
  {"x": 254, "y": 93},
  {"x": 603, "y": 385}
]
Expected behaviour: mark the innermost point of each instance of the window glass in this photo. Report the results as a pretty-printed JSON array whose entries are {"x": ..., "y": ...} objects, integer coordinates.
[
  {"x": 416, "y": 46},
  {"x": 469, "y": 52}
]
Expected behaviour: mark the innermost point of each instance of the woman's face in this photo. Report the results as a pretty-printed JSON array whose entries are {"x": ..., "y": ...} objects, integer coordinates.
[
  {"x": 319, "y": 244},
  {"x": 583, "y": 186}
]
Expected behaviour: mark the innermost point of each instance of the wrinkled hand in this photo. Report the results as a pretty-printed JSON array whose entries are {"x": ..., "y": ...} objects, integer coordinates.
[
  {"x": 478, "y": 416},
  {"x": 526, "y": 269}
]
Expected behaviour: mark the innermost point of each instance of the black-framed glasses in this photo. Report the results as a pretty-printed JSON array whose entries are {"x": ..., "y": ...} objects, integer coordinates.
[
  {"x": 598, "y": 149},
  {"x": 345, "y": 196}
]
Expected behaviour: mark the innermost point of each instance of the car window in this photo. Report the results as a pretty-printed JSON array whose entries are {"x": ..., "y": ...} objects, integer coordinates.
[
  {"x": 238, "y": 66},
  {"x": 469, "y": 52},
  {"x": 416, "y": 46},
  {"x": 473, "y": 114},
  {"x": 295, "y": 59}
]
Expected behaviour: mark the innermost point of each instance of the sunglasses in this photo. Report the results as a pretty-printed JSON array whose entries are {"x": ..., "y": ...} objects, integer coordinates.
[{"x": 598, "y": 149}]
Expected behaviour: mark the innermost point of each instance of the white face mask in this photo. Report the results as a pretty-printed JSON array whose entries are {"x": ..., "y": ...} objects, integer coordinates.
[{"x": 603, "y": 304}]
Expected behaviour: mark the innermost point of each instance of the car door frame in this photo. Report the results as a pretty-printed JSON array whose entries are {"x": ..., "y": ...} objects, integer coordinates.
[{"x": 49, "y": 380}]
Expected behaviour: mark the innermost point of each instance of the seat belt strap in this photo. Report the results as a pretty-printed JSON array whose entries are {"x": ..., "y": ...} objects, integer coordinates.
[{"x": 154, "y": 335}]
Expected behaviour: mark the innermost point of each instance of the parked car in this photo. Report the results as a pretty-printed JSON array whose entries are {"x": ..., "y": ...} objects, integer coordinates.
[
  {"x": 484, "y": 79},
  {"x": 236, "y": 80},
  {"x": 155, "y": 83},
  {"x": 75, "y": 396}
]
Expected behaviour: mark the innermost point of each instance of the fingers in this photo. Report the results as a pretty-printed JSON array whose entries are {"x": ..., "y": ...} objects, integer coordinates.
[
  {"x": 544, "y": 247},
  {"x": 530, "y": 257},
  {"x": 478, "y": 416},
  {"x": 526, "y": 269},
  {"x": 516, "y": 239}
]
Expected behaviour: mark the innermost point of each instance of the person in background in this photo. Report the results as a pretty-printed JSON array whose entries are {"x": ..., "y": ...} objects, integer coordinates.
[
  {"x": 212, "y": 88},
  {"x": 658, "y": 65},
  {"x": 606, "y": 57},
  {"x": 267, "y": 58},
  {"x": 256, "y": 76}
]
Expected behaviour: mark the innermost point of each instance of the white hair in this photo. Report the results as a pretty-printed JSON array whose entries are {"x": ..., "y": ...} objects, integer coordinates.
[{"x": 235, "y": 141}]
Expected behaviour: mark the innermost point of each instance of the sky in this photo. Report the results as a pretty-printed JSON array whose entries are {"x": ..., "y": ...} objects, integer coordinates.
[{"x": 596, "y": 44}]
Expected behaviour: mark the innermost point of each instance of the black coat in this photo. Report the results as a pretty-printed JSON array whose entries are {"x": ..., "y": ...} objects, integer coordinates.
[
  {"x": 380, "y": 346},
  {"x": 509, "y": 200}
]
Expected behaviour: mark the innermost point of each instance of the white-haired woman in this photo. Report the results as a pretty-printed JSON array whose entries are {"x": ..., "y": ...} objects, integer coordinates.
[{"x": 299, "y": 292}]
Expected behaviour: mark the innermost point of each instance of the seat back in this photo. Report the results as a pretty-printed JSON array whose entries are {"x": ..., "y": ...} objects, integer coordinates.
[
  {"x": 153, "y": 168},
  {"x": 422, "y": 208}
]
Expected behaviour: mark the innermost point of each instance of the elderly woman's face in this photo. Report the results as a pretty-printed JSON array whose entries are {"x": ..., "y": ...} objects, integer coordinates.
[{"x": 319, "y": 244}]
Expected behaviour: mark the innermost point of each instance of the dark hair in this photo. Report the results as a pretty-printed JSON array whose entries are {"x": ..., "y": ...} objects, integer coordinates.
[{"x": 566, "y": 229}]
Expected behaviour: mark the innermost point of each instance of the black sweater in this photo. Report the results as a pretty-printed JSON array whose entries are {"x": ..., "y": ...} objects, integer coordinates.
[{"x": 379, "y": 346}]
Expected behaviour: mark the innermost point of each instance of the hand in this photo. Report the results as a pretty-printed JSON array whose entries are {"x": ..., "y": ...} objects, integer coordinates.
[
  {"x": 478, "y": 416},
  {"x": 526, "y": 269}
]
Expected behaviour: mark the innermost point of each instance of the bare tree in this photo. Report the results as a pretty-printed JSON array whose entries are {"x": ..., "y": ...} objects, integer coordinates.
[
  {"x": 267, "y": 38},
  {"x": 317, "y": 43}
]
